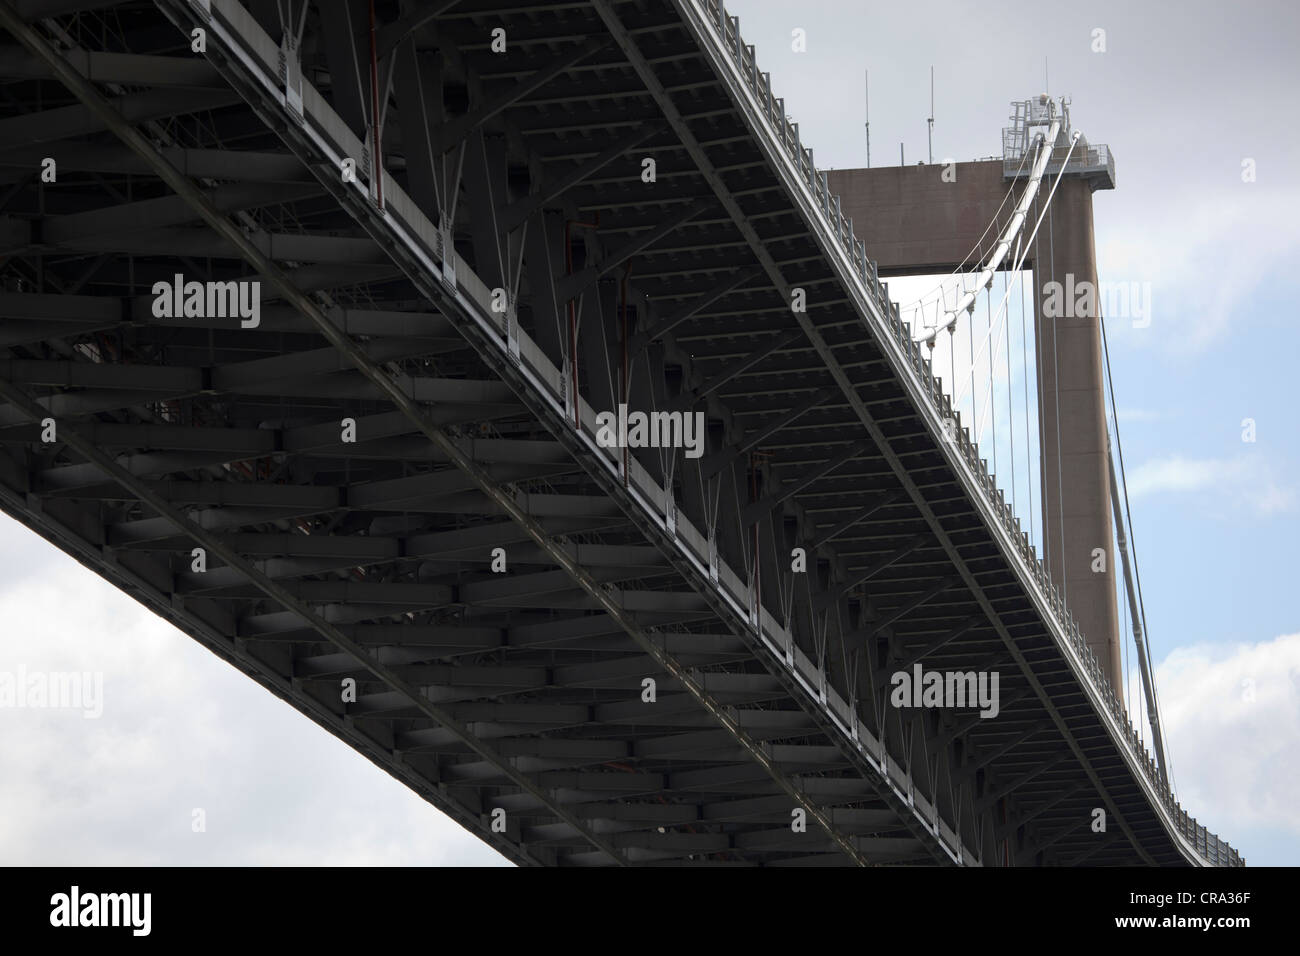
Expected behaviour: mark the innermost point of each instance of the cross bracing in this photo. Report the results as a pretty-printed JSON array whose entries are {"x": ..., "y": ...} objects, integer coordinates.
[{"x": 372, "y": 559}]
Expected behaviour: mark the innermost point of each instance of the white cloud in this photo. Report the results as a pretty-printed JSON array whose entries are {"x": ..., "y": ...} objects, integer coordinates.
[
  {"x": 1183, "y": 474},
  {"x": 1205, "y": 256},
  {"x": 1232, "y": 721},
  {"x": 1139, "y": 415},
  {"x": 180, "y": 729},
  {"x": 1247, "y": 482}
]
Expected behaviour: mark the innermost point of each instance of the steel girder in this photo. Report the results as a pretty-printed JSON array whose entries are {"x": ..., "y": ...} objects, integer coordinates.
[{"x": 371, "y": 559}]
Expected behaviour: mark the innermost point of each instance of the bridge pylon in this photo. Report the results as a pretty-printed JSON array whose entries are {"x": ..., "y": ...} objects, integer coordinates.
[{"x": 926, "y": 219}]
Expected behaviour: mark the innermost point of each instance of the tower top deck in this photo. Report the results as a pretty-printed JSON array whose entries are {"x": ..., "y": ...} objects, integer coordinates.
[{"x": 1090, "y": 162}]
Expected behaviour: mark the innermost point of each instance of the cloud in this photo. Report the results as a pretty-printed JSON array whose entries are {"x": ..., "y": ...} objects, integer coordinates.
[
  {"x": 1139, "y": 415},
  {"x": 1232, "y": 721},
  {"x": 1205, "y": 255},
  {"x": 1183, "y": 474},
  {"x": 180, "y": 730},
  {"x": 1246, "y": 482}
]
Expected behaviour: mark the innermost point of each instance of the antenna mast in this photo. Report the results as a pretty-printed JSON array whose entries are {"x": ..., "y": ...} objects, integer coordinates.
[
  {"x": 867, "y": 90},
  {"x": 930, "y": 120}
]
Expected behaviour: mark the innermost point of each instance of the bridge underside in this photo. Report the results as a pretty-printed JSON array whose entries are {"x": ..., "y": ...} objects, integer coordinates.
[{"x": 328, "y": 558}]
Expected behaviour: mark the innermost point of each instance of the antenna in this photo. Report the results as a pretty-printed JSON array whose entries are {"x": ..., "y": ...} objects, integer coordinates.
[
  {"x": 867, "y": 90},
  {"x": 1047, "y": 86},
  {"x": 901, "y": 161},
  {"x": 930, "y": 120}
]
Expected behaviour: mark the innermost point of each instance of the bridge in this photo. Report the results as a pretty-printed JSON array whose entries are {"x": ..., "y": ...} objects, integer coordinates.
[{"x": 505, "y": 388}]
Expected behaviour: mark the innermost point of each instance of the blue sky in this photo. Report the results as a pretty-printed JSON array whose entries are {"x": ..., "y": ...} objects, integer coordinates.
[{"x": 1181, "y": 99}]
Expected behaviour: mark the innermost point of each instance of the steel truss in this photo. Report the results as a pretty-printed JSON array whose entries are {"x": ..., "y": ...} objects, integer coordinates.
[{"x": 520, "y": 172}]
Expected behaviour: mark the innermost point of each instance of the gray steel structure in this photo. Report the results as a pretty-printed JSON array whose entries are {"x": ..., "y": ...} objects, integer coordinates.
[{"x": 327, "y": 559}]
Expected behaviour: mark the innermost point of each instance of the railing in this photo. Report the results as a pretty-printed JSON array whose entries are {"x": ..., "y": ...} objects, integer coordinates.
[
  {"x": 1210, "y": 847},
  {"x": 1087, "y": 160},
  {"x": 1092, "y": 159}
]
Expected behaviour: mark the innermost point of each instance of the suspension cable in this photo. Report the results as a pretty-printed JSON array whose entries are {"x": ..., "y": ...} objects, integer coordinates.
[
  {"x": 1011, "y": 415},
  {"x": 1042, "y": 419},
  {"x": 1047, "y": 207},
  {"x": 993, "y": 418},
  {"x": 939, "y": 289},
  {"x": 1024, "y": 360},
  {"x": 1056, "y": 398},
  {"x": 1017, "y": 222},
  {"x": 1154, "y": 714}
]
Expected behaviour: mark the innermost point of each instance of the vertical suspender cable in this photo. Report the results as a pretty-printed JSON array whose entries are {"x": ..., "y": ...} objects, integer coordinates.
[
  {"x": 1011, "y": 416},
  {"x": 970, "y": 338},
  {"x": 1024, "y": 361},
  {"x": 1039, "y": 326},
  {"x": 993, "y": 392},
  {"x": 377, "y": 171},
  {"x": 1056, "y": 403}
]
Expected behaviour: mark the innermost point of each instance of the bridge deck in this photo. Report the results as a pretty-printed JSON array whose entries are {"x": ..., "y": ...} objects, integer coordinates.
[{"x": 372, "y": 559}]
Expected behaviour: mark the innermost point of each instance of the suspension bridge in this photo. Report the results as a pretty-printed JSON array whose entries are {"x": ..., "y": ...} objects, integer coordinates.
[{"x": 313, "y": 318}]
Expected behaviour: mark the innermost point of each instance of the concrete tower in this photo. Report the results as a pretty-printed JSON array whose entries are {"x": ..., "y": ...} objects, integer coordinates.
[{"x": 916, "y": 220}]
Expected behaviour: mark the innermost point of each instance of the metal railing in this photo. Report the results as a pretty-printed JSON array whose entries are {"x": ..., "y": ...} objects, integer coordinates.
[
  {"x": 1086, "y": 160},
  {"x": 772, "y": 108},
  {"x": 1090, "y": 160}
]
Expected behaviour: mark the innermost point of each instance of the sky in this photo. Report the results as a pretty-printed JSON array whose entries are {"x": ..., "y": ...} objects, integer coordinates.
[{"x": 1184, "y": 94}]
